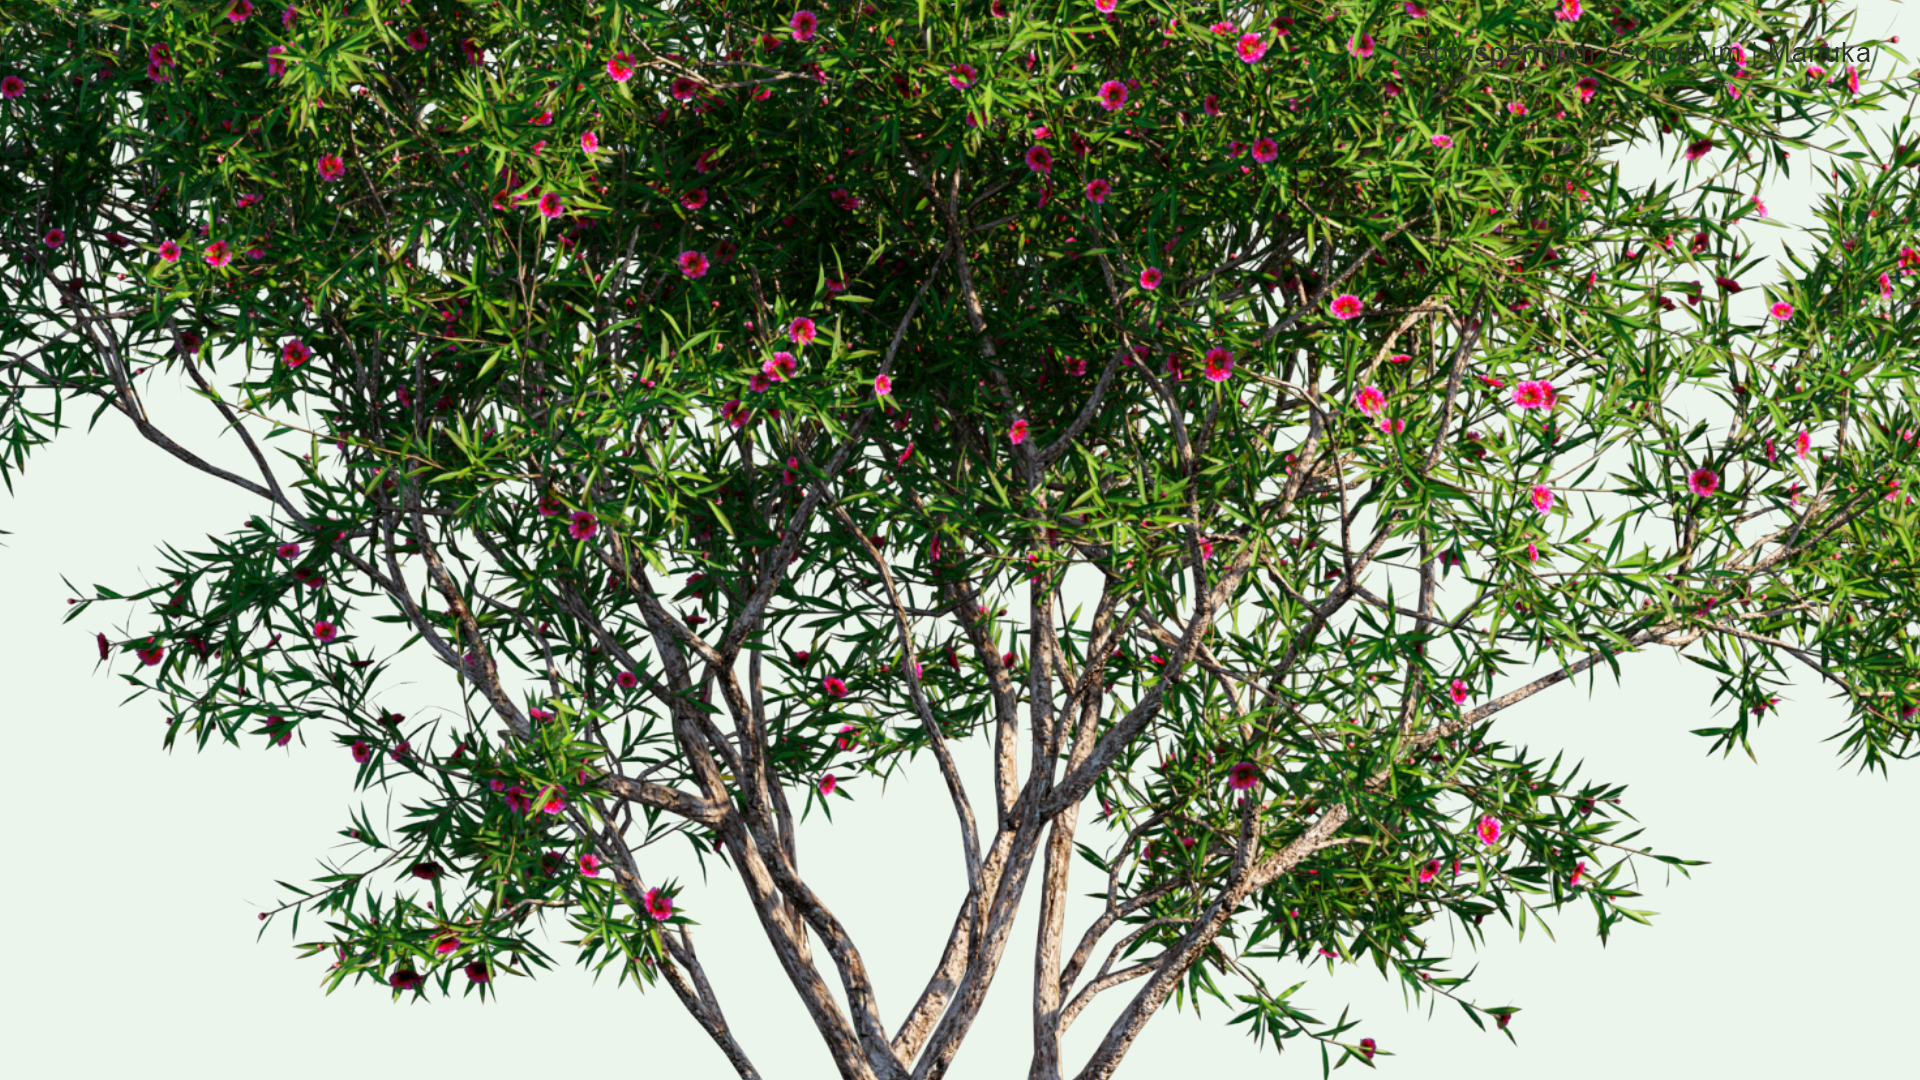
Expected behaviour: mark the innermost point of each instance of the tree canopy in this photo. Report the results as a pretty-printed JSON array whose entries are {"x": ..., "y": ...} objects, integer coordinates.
[{"x": 1207, "y": 406}]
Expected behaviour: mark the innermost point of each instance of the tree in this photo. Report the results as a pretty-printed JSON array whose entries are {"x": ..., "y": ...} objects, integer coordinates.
[{"x": 1202, "y": 413}]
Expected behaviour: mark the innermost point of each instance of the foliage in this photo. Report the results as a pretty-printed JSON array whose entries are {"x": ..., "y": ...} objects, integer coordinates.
[{"x": 762, "y": 408}]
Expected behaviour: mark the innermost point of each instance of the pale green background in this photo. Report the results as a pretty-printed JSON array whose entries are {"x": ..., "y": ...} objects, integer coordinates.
[{"x": 133, "y": 877}]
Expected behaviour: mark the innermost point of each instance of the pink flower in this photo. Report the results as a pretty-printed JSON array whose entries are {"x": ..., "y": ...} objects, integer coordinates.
[
  {"x": 1345, "y": 306},
  {"x": 683, "y": 88},
  {"x": 1516, "y": 108},
  {"x": 693, "y": 264},
  {"x": 54, "y": 238},
  {"x": 1535, "y": 394},
  {"x": 1444, "y": 142},
  {"x": 1250, "y": 48},
  {"x": 582, "y": 525},
  {"x": 780, "y": 368},
  {"x": 1458, "y": 689},
  {"x": 827, "y": 784},
  {"x": 1243, "y": 776},
  {"x": 239, "y": 11},
  {"x": 1113, "y": 94},
  {"x": 1488, "y": 829},
  {"x": 1210, "y": 105},
  {"x": 695, "y": 199},
  {"x": 1698, "y": 150},
  {"x": 882, "y": 385},
  {"x": 218, "y": 254},
  {"x": 325, "y": 631},
  {"x": 1414, "y": 10},
  {"x": 1361, "y": 46},
  {"x": 555, "y": 803},
  {"x": 1040, "y": 160},
  {"x": 1533, "y": 553},
  {"x": 801, "y": 331},
  {"x": 803, "y": 24},
  {"x": 287, "y": 551},
  {"x": 1578, "y": 871},
  {"x": 1105, "y": 7},
  {"x": 659, "y": 904},
  {"x": 1886, "y": 287},
  {"x": 1802, "y": 444},
  {"x": 1150, "y": 278},
  {"x": 551, "y": 206},
  {"x": 417, "y": 40},
  {"x": 362, "y": 753},
  {"x": 331, "y": 167},
  {"x": 962, "y": 76},
  {"x": 1853, "y": 79},
  {"x": 1702, "y": 481},
  {"x": 1781, "y": 310},
  {"x": 447, "y": 945},
  {"x": 1367, "y": 1047},
  {"x": 589, "y": 142},
  {"x": 1265, "y": 150},
  {"x": 12, "y": 87},
  {"x": 1569, "y": 11},
  {"x": 1428, "y": 871},
  {"x": 590, "y": 865},
  {"x": 1219, "y": 364},
  {"x": 288, "y": 16},
  {"x": 1098, "y": 190},
  {"x": 1017, "y": 434},
  {"x": 619, "y": 69},
  {"x": 1542, "y": 498},
  {"x": 834, "y": 687},
  {"x": 1587, "y": 87},
  {"x": 1759, "y": 207},
  {"x": 1371, "y": 400}
]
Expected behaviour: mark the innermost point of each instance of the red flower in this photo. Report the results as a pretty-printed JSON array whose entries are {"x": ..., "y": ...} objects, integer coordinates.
[
  {"x": 1098, "y": 190},
  {"x": 693, "y": 264},
  {"x": 417, "y": 40},
  {"x": 239, "y": 11},
  {"x": 152, "y": 656},
  {"x": 1113, "y": 94},
  {"x": 101, "y": 639},
  {"x": 803, "y": 24},
  {"x": 331, "y": 167},
  {"x": 12, "y": 87},
  {"x": 1367, "y": 1047},
  {"x": 1243, "y": 776},
  {"x": 1698, "y": 150},
  {"x": 827, "y": 784},
  {"x": 618, "y": 68},
  {"x": 426, "y": 871},
  {"x": 406, "y": 979},
  {"x": 834, "y": 686},
  {"x": 294, "y": 353},
  {"x": 582, "y": 525},
  {"x": 477, "y": 971},
  {"x": 1040, "y": 160},
  {"x": 362, "y": 752},
  {"x": 659, "y": 905}
]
